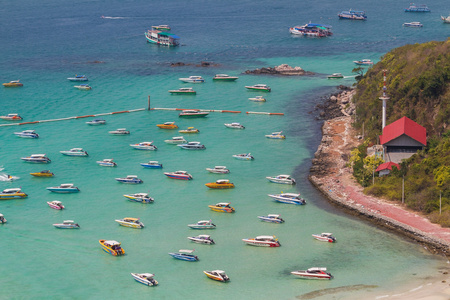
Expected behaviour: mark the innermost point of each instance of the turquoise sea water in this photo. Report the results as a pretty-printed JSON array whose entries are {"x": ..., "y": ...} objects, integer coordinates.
[{"x": 45, "y": 42}]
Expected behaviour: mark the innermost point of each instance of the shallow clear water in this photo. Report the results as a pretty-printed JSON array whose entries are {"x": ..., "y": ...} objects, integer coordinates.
[{"x": 44, "y": 43}]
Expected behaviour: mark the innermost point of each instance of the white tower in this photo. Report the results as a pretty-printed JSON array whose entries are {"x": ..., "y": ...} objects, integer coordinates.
[{"x": 384, "y": 98}]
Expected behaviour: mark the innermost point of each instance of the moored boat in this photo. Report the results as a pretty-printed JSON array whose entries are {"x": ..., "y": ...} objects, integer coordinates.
[
  {"x": 352, "y": 15},
  {"x": 11, "y": 117},
  {"x": 325, "y": 237},
  {"x": 313, "y": 273},
  {"x": 203, "y": 225},
  {"x": 192, "y": 146},
  {"x": 335, "y": 76},
  {"x": 184, "y": 254},
  {"x": 190, "y": 113},
  {"x": 152, "y": 165},
  {"x": 112, "y": 247},
  {"x": 271, "y": 218},
  {"x": 139, "y": 197},
  {"x": 96, "y": 122},
  {"x": 202, "y": 239},
  {"x": 183, "y": 175},
  {"x": 311, "y": 30},
  {"x": 224, "y": 77},
  {"x": 31, "y": 134},
  {"x": 107, "y": 162},
  {"x": 64, "y": 188},
  {"x": 189, "y": 130},
  {"x": 56, "y": 204},
  {"x": 259, "y": 87},
  {"x": 130, "y": 222},
  {"x": 217, "y": 275},
  {"x": 446, "y": 19},
  {"x": 412, "y": 24},
  {"x": 145, "y": 278},
  {"x": 120, "y": 131},
  {"x": 36, "y": 158},
  {"x": 162, "y": 38},
  {"x": 193, "y": 79},
  {"x": 234, "y": 125},
  {"x": 78, "y": 78},
  {"x": 44, "y": 173},
  {"x": 176, "y": 140},
  {"x": 85, "y": 87},
  {"x": 183, "y": 91},
  {"x": 283, "y": 179},
  {"x": 263, "y": 241},
  {"x": 258, "y": 99},
  {"x": 14, "y": 193},
  {"x": 218, "y": 170},
  {"x": 167, "y": 125},
  {"x": 222, "y": 207},
  {"x": 244, "y": 156},
  {"x": 74, "y": 152},
  {"x": 2, "y": 219},
  {"x": 363, "y": 62},
  {"x": 417, "y": 8},
  {"x": 276, "y": 135},
  {"x": 132, "y": 179},
  {"x": 288, "y": 198},
  {"x": 220, "y": 184},
  {"x": 161, "y": 27},
  {"x": 67, "y": 224},
  {"x": 144, "y": 146},
  {"x": 13, "y": 83}
]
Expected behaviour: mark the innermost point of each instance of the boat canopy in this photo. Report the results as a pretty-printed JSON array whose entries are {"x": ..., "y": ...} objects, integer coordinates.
[{"x": 168, "y": 34}]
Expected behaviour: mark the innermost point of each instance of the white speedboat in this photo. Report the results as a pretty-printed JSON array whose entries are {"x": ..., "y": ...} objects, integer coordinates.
[
  {"x": 202, "y": 239},
  {"x": 11, "y": 117},
  {"x": 183, "y": 175},
  {"x": 413, "y": 24},
  {"x": 78, "y": 78},
  {"x": 56, "y": 204},
  {"x": 203, "y": 225},
  {"x": 68, "y": 224},
  {"x": 271, "y": 218},
  {"x": 288, "y": 198},
  {"x": 132, "y": 179},
  {"x": 96, "y": 122},
  {"x": 184, "y": 254},
  {"x": 224, "y": 77},
  {"x": 74, "y": 152},
  {"x": 144, "y": 146},
  {"x": 363, "y": 62},
  {"x": 245, "y": 156},
  {"x": 259, "y": 87},
  {"x": 276, "y": 135},
  {"x": 191, "y": 113},
  {"x": 107, "y": 162},
  {"x": 176, "y": 140},
  {"x": 85, "y": 87},
  {"x": 313, "y": 273},
  {"x": 31, "y": 134},
  {"x": 218, "y": 170},
  {"x": 446, "y": 19},
  {"x": 217, "y": 275},
  {"x": 183, "y": 91},
  {"x": 139, "y": 197},
  {"x": 263, "y": 241},
  {"x": 192, "y": 146},
  {"x": 283, "y": 179},
  {"x": 64, "y": 188},
  {"x": 130, "y": 222},
  {"x": 120, "y": 131},
  {"x": 234, "y": 125},
  {"x": 152, "y": 165},
  {"x": 325, "y": 237},
  {"x": 145, "y": 278},
  {"x": 193, "y": 79},
  {"x": 36, "y": 158},
  {"x": 257, "y": 99}
]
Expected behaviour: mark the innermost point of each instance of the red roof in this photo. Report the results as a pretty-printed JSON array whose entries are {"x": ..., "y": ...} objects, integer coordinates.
[
  {"x": 387, "y": 166},
  {"x": 404, "y": 126}
]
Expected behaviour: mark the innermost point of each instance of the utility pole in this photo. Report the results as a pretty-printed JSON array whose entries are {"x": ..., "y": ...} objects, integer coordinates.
[{"x": 403, "y": 189}]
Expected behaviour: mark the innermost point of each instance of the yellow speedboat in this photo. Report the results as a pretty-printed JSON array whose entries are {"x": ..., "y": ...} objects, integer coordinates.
[
  {"x": 222, "y": 207},
  {"x": 14, "y": 83},
  {"x": 220, "y": 184},
  {"x": 167, "y": 125},
  {"x": 130, "y": 222},
  {"x": 12, "y": 194},
  {"x": 112, "y": 247},
  {"x": 45, "y": 173},
  {"x": 189, "y": 130}
]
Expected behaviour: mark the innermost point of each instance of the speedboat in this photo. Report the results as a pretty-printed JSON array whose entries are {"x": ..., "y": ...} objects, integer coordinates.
[
  {"x": 288, "y": 198},
  {"x": 152, "y": 165},
  {"x": 2, "y": 219},
  {"x": 313, "y": 273},
  {"x": 363, "y": 62},
  {"x": 11, "y": 117},
  {"x": 220, "y": 184},
  {"x": 192, "y": 146},
  {"x": 311, "y": 30},
  {"x": 417, "y": 8},
  {"x": 335, "y": 76},
  {"x": 352, "y": 15},
  {"x": 44, "y": 173},
  {"x": 445, "y": 19},
  {"x": 263, "y": 241},
  {"x": 68, "y": 224},
  {"x": 167, "y": 125},
  {"x": 183, "y": 91},
  {"x": 189, "y": 130},
  {"x": 64, "y": 188},
  {"x": 85, "y": 87},
  {"x": 203, "y": 225},
  {"x": 15, "y": 193},
  {"x": 283, "y": 179},
  {"x": 245, "y": 156},
  {"x": 31, "y": 134},
  {"x": 259, "y": 87},
  {"x": 36, "y": 158},
  {"x": 140, "y": 197},
  {"x": 257, "y": 99},
  {"x": 144, "y": 146},
  {"x": 130, "y": 222},
  {"x": 184, "y": 255},
  {"x": 234, "y": 125},
  {"x": 202, "y": 239},
  {"x": 119, "y": 131},
  {"x": 55, "y": 204},
  {"x": 276, "y": 135},
  {"x": 271, "y": 219},
  {"x": 7, "y": 177},
  {"x": 193, "y": 79},
  {"x": 325, "y": 237},
  {"x": 183, "y": 175},
  {"x": 413, "y": 24},
  {"x": 218, "y": 170},
  {"x": 222, "y": 207},
  {"x": 78, "y": 78},
  {"x": 218, "y": 275},
  {"x": 74, "y": 152},
  {"x": 107, "y": 162},
  {"x": 112, "y": 247},
  {"x": 189, "y": 113},
  {"x": 224, "y": 77},
  {"x": 161, "y": 27},
  {"x": 13, "y": 83},
  {"x": 133, "y": 179},
  {"x": 176, "y": 140},
  {"x": 96, "y": 122},
  {"x": 145, "y": 278}
]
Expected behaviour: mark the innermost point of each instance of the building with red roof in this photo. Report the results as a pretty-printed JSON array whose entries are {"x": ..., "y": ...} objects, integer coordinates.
[{"x": 386, "y": 168}]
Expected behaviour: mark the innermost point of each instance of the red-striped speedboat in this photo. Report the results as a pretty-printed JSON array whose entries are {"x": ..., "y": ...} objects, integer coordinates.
[{"x": 313, "y": 273}]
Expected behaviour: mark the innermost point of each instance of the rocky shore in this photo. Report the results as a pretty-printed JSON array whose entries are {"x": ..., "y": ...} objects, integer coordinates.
[
  {"x": 331, "y": 175},
  {"x": 283, "y": 69}
]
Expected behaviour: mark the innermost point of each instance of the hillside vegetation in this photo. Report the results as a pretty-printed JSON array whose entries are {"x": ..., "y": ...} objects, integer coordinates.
[{"x": 418, "y": 84}]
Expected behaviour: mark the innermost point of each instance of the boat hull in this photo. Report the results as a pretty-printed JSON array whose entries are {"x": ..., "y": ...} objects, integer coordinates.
[
  {"x": 40, "y": 174},
  {"x": 54, "y": 206},
  {"x": 139, "y": 199},
  {"x": 151, "y": 166},
  {"x": 192, "y": 116},
  {"x": 214, "y": 277},
  {"x": 130, "y": 225},
  {"x": 13, "y": 196},
  {"x": 201, "y": 241},
  {"x": 221, "y": 209},
  {"x": 184, "y": 257},
  {"x": 144, "y": 281},
  {"x": 213, "y": 185},
  {"x": 63, "y": 190},
  {"x": 303, "y": 275},
  {"x": 202, "y": 226},
  {"x": 111, "y": 251},
  {"x": 261, "y": 244},
  {"x": 271, "y": 220}
]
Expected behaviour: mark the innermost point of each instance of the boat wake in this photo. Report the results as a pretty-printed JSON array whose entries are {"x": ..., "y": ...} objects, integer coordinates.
[
  {"x": 113, "y": 18},
  {"x": 6, "y": 177}
]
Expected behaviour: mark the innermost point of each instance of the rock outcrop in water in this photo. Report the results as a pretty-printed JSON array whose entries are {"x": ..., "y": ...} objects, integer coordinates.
[{"x": 283, "y": 69}]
